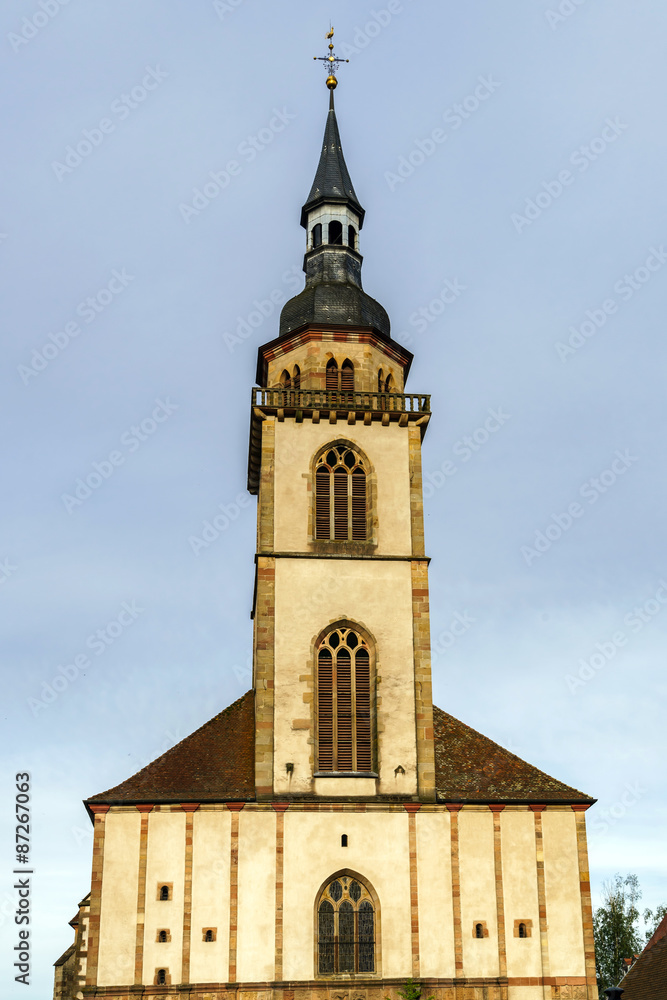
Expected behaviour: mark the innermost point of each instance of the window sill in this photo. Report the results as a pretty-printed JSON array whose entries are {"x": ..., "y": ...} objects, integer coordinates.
[{"x": 346, "y": 774}]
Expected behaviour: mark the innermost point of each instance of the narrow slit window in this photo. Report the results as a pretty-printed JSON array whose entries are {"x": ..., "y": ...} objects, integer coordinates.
[
  {"x": 164, "y": 892},
  {"x": 161, "y": 978},
  {"x": 479, "y": 930},
  {"x": 162, "y": 936},
  {"x": 296, "y": 378},
  {"x": 317, "y": 235},
  {"x": 522, "y": 931}
]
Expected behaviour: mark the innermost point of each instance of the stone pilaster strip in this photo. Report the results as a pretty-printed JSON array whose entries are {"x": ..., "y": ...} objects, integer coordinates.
[
  {"x": 454, "y": 810},
  {"x": 586, "y": 905},
  {"x": 235, "y": 808},
  {"x": 189, "y": 808},
  {"x": 421, "y": 639},
  {"x": 141, "y": 896},
  {"x": 265, "y": 508},
  {"x": 95, "y": 894},
  {"x": 416, "y": 491},
  {"x": 500, "y": 895},
  {"x": 280, "y": 809},
  {"x": 412, "y": 808},
  {"x": 264, "y": 674},
  {"x": 542, "y": 896}
]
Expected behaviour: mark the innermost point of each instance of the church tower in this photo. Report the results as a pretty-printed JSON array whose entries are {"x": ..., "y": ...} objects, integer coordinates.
[
  {"x": 341, "y": 665},
  {"x": 332, "y": 834}
]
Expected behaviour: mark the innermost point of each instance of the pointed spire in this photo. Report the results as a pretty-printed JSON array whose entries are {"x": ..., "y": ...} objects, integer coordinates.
[{"x": 332, "y": 180}]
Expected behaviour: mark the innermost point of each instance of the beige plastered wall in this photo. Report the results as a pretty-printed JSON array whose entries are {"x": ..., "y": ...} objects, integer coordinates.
[
  {"x": 309, "y": 597},
  {"x": 478, "y": 891},
  {"x": 387, "y": 449},
  {"x": 563, "y": 895},
  {"x": 118, "y": 914},
  {"x": 378, "y": 851},
  {"x": 434, "y": 880},
  {"x": 519, "y": 862},
  {"x": 255, "y": 957},
  {"x": 165, "y": 862},
  {"x": 209, "y": 961}
]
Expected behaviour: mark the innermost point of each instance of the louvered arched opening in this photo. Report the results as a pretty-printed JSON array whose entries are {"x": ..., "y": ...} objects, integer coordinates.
[
  {"x": 346, "y": 928},
  {"x": 380, "y": 381},
  {"x": 344, "y": 703},
  {"x": 389, "y": 384},
  {"x": 341, "y": 496},
  {"x": 285, "y": 379},
  {"x": 332, "y": 374},
  {"x": 296, "y": 378},
  {"x": 347, "y": 376}
]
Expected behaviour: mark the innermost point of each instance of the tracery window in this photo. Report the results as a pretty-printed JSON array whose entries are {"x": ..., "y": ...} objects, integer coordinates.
[
  {"x": 344, "y": 709},
  {"x": 341, "y": 496},
  {"x": 346, "y": 929}
]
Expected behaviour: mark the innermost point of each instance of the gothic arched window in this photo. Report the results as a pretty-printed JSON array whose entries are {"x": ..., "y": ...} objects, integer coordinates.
[
  {"x": 344, "y": 723},
  {"x": 341, "y": 497},
  {"x": 347, "y": 376},
  {"x": 336, "y": 233},
  {"x": 296, "y": 378},
  {"x": 332, "y": 374},
  {"x": 346, "y": 929},
  {"x": 285, "y": 379},
  {"x": 389, "y": 384}
]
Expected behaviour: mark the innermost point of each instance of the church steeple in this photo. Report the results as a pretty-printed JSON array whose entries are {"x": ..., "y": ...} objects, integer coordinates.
[
  {"x": 332, "y": 217},
  {"x": 332, "y": 184}
]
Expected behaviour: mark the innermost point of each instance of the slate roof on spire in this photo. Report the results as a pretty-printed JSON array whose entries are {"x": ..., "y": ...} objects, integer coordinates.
[{"x": 332, "y": 179}]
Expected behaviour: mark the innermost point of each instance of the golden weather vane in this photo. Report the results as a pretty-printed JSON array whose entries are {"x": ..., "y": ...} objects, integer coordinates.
[{"x": 332, "y": 62}]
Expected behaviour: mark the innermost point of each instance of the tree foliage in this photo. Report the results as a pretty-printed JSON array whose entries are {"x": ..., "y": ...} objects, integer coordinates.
[
  {"x": 652, "y": 920},
  {"x": 615, "y": 929}
]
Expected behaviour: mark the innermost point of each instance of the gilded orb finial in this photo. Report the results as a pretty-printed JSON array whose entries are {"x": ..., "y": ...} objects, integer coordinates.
[{"x": 331, "y": 62}]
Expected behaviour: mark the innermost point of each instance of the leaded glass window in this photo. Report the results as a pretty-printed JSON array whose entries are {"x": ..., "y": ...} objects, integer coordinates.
[{"x": 346, "y": 929}]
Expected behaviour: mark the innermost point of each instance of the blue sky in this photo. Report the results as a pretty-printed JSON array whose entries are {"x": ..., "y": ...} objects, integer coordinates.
[{"x": 512, "y": 170}]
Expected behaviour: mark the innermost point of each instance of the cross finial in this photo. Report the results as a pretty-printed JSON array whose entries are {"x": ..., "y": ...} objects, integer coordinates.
[{"x": 331, "y": 62}]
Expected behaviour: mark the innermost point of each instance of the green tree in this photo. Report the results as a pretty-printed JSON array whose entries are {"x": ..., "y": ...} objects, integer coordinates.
[
  {"x": 652, "y": 920},
  {"x": 615, "y": 929},
  {"x": 411, "y": 990}
]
